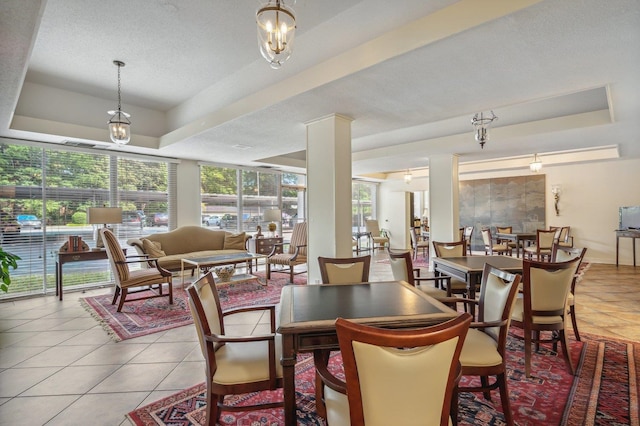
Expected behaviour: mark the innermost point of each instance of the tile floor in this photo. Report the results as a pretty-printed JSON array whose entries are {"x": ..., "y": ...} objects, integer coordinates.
[{"x": 58, "y": 366}]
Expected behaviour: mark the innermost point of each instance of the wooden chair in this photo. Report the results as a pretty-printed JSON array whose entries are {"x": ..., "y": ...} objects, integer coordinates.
[
  {"x": 543, "y": 306},
  {"x": 542, "y": 248},
  {"x": 376, "y": 237},
  {"x": 394, "y": 377},
  {"x": 347, "y": 270},
  {"x": 468, "y": 235},
  {"x": 403, "y": 270},
  {"x": 483, "y": 352},
  {"x": 295, "y": 255},
  {"x": 491, "y": 248},
  {"x": 505, "y": 230},
  {"x": 560, "y": 253},
  {"x": 452, "y": 249},
  {"x": 133, "y": 281},
  {"x": 234, "y": 364},
  {"x": 418, "y": 244},
  {"x": 562, "y": 235}
]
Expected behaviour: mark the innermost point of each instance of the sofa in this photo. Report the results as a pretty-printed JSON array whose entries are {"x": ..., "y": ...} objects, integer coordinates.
[{"x": 188, "y": 242}]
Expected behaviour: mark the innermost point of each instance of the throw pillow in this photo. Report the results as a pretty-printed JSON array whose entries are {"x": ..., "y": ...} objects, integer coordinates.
[
  {"x": 152, "y": 248},
  {"x": 235, "y": 241}
]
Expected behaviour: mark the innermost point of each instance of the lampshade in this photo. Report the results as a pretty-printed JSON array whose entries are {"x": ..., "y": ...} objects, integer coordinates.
[
  {"x": 104, "y": 215},
  {"x": 276, "y": 32},
  {"x": 273, "y": 215}
]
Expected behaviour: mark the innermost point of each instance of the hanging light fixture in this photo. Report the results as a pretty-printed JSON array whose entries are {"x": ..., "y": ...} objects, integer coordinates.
[
  {"x": 276, "y": 32},
  {"x": 536, "y": 164},
  {"x": 481, "y": 124},
  {"x": 407, "y": 176},
  {"x": 119, "y": 124}
]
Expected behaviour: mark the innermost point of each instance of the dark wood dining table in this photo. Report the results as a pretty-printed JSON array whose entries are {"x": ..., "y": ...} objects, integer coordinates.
[
  {"x": 308, "y": 314},
  {"x": 469, "y": 269},
  {"x": 520, "y": 238}
]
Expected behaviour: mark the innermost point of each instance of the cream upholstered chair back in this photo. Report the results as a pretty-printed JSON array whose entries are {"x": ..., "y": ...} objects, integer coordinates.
[
  {"x": 545, "y": 239},
  {"x": 347, "y": 270},
  {"x": 372, "y": 227},
  {"x": 401, "y": 266},
  {"x": 209, "y": 300},
  {"x": 497, "y": 296},
  {"x": 400, "y": 376},
  {"x": 453, "y": 249},
  {"x": 549, "y": 289}
]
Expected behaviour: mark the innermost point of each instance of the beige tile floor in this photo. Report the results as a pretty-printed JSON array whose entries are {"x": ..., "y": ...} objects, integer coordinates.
[{"x": 58, "y": 366}]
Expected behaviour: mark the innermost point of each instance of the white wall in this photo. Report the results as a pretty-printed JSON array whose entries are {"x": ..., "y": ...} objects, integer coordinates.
[
  {"x": 189, "y": 210},
  {"x": 591, "y": 196}
]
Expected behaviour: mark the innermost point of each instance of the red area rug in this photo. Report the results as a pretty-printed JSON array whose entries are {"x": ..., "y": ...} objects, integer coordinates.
[
  {"x": 605, "y": 391},
  {"x": 142, "y": 317}
]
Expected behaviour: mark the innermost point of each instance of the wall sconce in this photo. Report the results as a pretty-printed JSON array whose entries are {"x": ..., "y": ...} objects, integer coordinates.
[{"x": 556, "y": 190}]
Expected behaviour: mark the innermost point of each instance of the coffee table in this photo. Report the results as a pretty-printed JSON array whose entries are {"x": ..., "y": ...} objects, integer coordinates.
[{"x": 204, "y": 264}]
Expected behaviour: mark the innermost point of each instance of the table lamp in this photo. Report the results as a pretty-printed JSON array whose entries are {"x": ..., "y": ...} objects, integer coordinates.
[
  {"x": 272, "y": 215},
  {"x": 103, "y": 215}
]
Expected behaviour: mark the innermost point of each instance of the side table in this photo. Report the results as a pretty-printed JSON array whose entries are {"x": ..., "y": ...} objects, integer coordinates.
[{"x": 76, "y": 256}]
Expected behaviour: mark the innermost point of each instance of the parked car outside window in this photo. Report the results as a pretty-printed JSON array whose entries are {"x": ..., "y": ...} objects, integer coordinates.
[
  {"x": 9, "y": 226},
  {"x": 29, "y": 221},
  {"x": 211, "y": 220},
  {"x": 132, "y": 218},
  {"x": 160, "y": 219}
]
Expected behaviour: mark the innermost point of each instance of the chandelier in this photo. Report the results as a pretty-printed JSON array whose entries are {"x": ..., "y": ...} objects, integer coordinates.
[
  {"x": 536, "y": 164},
  {"x": 276, "y": 31},
  {"x": 407, "y": 176},
  {"x": 481, "y": 124},
  {"x": 119, "y": 124}
]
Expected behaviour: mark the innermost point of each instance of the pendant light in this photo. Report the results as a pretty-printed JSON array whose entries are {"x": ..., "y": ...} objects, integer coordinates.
[{"x": 119, "y": 124}]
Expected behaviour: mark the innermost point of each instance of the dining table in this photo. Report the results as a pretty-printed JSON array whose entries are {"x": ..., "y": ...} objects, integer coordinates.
[
  {"x": 308, "y": 314},
  {"x": 469, "y": 269},
  {"x": 520, "y": 238}
]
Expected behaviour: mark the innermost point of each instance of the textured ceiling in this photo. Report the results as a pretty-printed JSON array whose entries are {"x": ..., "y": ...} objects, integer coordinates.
[{"x": 560, "y": 75}]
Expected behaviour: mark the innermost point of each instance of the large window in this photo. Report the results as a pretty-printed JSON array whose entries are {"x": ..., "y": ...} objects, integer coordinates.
[
  {"x": 44, "y": 196},
  {"x": 363, "y": 204}
]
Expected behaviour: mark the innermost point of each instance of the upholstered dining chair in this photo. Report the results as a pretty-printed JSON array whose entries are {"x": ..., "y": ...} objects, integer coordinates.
[
  {"x": 490, "y": 247},
  {"x": 344, "y": 270},
  {"x": 452, "y": 249},
  {"x": 394, "y": 377},
  {"x": 296, "y": 254},
  {"x": 234, "y": 364},
  {"x": 375, "y": 234},
  {"x": 543, "y": 307},
  {"x": 468, "y": 235},
  {"x": 560, "y": 253},
  {"x": 483, "y": 352},
  {"x": 135, "y": 280},
  {"x": 562, "y": 235},
  {"x": 505, "y": 230},
  {"x": 403, "y": 270},
  {"x": 542, "y": 248},
  {"x": 418, "y": 244}
]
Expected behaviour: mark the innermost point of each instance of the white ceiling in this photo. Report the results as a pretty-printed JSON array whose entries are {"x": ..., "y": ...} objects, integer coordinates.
[{"x": 560, "y": 75}]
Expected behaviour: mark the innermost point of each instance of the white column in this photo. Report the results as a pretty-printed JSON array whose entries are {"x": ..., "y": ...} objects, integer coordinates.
[
  {"x": 328, "y": 190},
  {"x": 444, "y": 207}
]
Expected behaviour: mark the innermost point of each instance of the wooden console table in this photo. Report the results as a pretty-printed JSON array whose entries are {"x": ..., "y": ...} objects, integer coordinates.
[
  {"x": 76, "y": 256},
  {"x": 627, "y": 233}
]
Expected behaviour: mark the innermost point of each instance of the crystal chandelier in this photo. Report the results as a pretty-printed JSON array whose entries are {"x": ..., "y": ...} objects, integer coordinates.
[
  {"x": 536, "y": 165},
  {"x": 276, "y": 32},
  {"x": 481, "y": 124},
  {"x": 119, "y": 124}
]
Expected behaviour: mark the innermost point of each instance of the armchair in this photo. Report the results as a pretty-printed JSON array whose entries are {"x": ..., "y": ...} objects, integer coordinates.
[
  {"x": 234, "y": 364},
  {"x": 133, "y": 281},
  {"x": 560, "y": 253},
  {"x": 452, "y": 249},
  {"x": 542, "y": 248},
  {"x": 418, "y": 244},
  {"x": 379, "y": 364},
  {"x": 295, "y": 255},
  {"x": 492, "y": 248},
  {"x": 403, "y": 270},
  {"x": 375, "y": 234}
]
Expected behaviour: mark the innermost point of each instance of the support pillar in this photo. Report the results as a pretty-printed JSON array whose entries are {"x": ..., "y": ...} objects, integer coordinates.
[{"x": 444, "y": 205}]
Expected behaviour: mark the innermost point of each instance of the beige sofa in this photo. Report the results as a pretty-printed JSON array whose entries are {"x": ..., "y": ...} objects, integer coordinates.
[{"x": 188, "y": 242}]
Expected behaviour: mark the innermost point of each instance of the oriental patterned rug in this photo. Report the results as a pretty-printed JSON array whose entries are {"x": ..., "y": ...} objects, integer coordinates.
[
  {"x": 606, "y": 392},
  {"x": 142, "y": 317}
]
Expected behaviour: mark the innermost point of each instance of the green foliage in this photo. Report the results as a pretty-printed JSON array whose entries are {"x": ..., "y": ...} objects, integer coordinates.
[
  {"x": 7, "y": 260},
  {"x": 79, "y": 218}
]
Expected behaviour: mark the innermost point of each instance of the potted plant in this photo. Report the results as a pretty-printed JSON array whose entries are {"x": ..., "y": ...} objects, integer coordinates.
[{"x": 7, "y": 260}]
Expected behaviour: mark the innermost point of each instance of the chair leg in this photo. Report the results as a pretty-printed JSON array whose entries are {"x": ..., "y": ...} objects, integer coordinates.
[
  {"x": 527, "y": 353},
  {"x": 565, "y": 350},
  {"x": 116, "y": 293},
  {"x": 574, "y": 323},
  {"x": 453, "y": 412},
  {"x": 122, "y": 298},
  {"x": 268, "y": 265},
  {"x": 170, "y": 292},
  {"x": 484, "y": 380},
  {"x": 291, "y": 274},
  {"x": 504, "y": 398}
]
